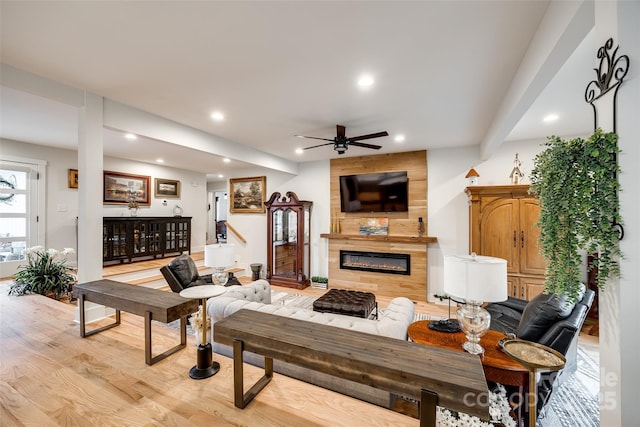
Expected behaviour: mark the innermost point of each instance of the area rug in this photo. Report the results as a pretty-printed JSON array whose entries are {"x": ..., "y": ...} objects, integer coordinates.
[{"x": 576, "y": 401}]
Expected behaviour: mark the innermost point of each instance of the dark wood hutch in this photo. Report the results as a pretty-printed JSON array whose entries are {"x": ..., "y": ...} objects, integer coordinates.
[
  {"x": 288, "y": 244},
  {"x": 127, "y": 239}
]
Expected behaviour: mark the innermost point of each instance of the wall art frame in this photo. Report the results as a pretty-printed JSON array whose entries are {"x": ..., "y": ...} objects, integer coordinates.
[
  {"x": 121, "y": 188},
  {"x": 248, "y": 194},
  {"x": 73, "y": 178},
  {"x": 167, "y": 188}
]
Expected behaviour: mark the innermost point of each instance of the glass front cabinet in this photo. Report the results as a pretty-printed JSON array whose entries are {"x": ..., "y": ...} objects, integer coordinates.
[
  {"x": 288, "y": 244},
  {"x": 127, "y": 239}
]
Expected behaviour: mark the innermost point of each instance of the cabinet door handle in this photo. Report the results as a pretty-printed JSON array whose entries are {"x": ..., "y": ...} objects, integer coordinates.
[
  {"x": 515, "y": 239},
  {"x": 522, "y": 237}
]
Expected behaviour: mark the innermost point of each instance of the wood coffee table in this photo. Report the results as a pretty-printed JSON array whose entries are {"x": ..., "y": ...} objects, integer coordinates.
[{"x": 498, "y": 367}]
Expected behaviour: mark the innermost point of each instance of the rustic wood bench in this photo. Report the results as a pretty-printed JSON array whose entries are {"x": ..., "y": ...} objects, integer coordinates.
[
  {"x": 431, "y": 375},
  {"x": 153, "y": 304}
]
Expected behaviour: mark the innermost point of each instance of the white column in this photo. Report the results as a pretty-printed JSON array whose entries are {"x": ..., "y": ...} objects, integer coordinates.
[
  {"x": 90, "y": 165},
  {"x": 618, "y": 308}
]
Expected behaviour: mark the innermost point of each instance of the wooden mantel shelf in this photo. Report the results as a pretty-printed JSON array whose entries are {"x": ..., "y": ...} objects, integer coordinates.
[{"x": 394, "y": 239}]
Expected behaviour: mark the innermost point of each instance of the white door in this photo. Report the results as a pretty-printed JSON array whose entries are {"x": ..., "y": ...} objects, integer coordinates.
[{"x": 21, "y": 225}]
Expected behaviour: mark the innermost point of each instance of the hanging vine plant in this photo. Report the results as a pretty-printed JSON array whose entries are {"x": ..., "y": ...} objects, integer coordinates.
[{"x": 576, "y": 182}]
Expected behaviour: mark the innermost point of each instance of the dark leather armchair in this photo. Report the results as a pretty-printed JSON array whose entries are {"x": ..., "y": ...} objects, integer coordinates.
[
  {"x": 548, "y": 320},
  {"x": 182, "y": 273}
]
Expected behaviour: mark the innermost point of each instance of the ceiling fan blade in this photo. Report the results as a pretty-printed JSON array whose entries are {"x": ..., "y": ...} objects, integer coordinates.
[
  {"x": 371, "y": 135},
  {"x": 321, "y": 145},
  {"x": 340, "y": 131},
  {"x": 365, "y": 145},
  {"x": 313, "y": 137}
]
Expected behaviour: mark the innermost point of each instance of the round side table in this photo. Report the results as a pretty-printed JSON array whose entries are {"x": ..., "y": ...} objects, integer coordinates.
[{"x": 205, "y": 366}]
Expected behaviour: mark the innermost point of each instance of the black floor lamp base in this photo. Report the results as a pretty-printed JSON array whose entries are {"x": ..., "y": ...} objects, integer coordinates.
[
  {"x": 202, "y": 373},
  {"x": 205, "y": 367}
]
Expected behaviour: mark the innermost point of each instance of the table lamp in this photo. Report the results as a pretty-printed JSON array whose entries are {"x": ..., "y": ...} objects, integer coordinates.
[
  {"x": 476, "y": 279},
  {"x": 220, "y": 257}
]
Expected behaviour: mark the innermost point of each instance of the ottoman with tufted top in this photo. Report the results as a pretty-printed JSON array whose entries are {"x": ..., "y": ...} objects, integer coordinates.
[{"x": 347, "y": 302}]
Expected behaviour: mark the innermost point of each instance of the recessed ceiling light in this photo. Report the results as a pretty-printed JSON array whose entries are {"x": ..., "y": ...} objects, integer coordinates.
[
  {"x": 399, "y": 138},
  {"x": 220, "y": 176},
  {"x": 551, "y": 118},
  {"x": 299, "y": 151},
  {"x": 130, "y": 136},
  {"x": 217, "y": 116},
  {"x": 365, "y": 80},
  {"x": 226, "y": 160},
  {"x": 159, "y": 161}
]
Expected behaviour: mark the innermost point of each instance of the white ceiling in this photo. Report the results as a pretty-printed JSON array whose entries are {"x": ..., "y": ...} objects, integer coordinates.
[{"x": 277, "y": 69}]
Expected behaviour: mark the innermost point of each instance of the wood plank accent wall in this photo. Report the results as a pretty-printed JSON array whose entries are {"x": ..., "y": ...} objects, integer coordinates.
[{"x": 413, "y": 286}]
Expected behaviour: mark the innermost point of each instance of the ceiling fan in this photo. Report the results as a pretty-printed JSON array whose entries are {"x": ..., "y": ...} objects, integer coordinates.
[{"x": 341, "y": 142}]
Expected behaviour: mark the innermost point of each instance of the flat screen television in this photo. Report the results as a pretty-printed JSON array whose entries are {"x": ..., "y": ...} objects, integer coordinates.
[{"x": 375, "y": 192}]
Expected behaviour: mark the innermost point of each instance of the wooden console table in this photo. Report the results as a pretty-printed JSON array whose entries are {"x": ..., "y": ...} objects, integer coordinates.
[
  {"x": 431, "y": 375},
  {"x": 153, "y": 304},
  {"x": 498, "y": 367}
]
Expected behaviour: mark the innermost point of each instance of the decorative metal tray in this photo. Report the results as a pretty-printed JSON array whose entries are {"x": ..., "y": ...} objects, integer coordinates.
[{"x": 534, "y": 355}]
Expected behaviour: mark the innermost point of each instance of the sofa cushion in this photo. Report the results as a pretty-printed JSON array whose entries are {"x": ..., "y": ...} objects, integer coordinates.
[{"x": 540, "y": 314}]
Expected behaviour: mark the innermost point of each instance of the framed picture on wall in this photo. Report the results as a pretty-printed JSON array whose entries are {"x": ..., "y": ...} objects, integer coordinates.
[
  {"x": 73, "y": 178},
  {"x": 121, "y": 188},
  {"x": 248, "y": 194},
  {"x": 169, "y": 188}
]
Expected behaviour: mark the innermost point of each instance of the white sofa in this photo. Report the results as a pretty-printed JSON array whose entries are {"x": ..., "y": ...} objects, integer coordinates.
[{"x": 392, "y": 322}]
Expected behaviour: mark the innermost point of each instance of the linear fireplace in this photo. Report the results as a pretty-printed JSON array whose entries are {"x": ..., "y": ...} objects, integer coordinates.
[{"x": 380, "y": 262}]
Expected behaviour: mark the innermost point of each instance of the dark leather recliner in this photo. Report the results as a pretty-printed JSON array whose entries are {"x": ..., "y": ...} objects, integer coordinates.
[
  {"x": 548, "y": 320},
  {"x": 182, "y": 273}
]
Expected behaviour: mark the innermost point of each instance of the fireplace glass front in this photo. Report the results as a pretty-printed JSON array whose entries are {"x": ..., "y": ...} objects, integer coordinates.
[{"x": 381, "y": 262}]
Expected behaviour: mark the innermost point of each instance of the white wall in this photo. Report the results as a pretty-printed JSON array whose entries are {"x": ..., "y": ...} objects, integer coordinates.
[
  {"x": 311, "y": 184},
  {"x": 447, "y": 203},
  {"x": 448, "y": 216},
  {"x": 193, "y": 196},
  {"x": 619, "y": 343},
  {"x": 62, "y": 202}
]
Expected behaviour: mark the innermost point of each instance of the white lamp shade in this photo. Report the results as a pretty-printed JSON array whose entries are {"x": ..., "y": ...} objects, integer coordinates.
[
  {"x": 475, "y": 278},
  {"x": 219, "y": 255}
]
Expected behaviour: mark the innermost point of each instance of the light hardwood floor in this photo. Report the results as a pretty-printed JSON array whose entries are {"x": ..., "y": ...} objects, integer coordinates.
[{"x": 51, "y": 376}]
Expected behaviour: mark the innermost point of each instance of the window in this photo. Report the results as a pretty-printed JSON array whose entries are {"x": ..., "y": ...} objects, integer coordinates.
[{"x": 19, "y": 228}]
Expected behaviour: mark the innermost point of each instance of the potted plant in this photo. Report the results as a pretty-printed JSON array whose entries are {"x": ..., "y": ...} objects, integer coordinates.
[
  {"x": 576, "y": 183},
  {"x": 319, "y": 282},
  {"x": 46, "y": 273}
]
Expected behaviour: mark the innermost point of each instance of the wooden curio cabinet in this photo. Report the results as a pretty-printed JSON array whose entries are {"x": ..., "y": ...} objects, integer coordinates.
[
  {"x": 288, "y": 245},
  {"x": 502, "y": 223}
]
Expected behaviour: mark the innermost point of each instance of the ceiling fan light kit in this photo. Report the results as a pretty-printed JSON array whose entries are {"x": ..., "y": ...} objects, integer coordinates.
[{"x": 341, "y": 142}]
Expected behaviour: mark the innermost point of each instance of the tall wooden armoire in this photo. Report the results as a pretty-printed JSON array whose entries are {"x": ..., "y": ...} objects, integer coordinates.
[{"x": 502, "y": 223}]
